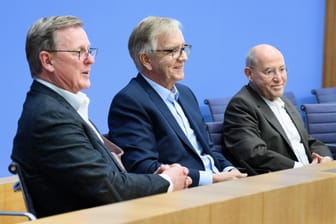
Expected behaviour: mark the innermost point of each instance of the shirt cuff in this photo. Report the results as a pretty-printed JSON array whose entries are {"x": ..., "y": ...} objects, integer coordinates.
[
  {"x": 228, "y": 168},
  {"x": 167, "y": 178},
  {"x": 297, "y": 164},
  {"x": 205, "y": 178}
]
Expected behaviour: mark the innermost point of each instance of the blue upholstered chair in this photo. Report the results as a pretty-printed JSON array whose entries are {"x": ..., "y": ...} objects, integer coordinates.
[
  {"x": 291, "y": 96},
  {"x": 325, "y": 95},
  {"x": 321, "y": 123},
  {"x": 217, "y": 107},
  {"x": 215, "y": 130}
]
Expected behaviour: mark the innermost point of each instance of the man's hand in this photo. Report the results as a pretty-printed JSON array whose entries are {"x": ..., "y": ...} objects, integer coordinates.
[
  {"x": 320, "y": 159},
  {"x": 178, "y": 175},
  {"x": 232, "y": 175},
  {"x": 162, "y": 168}
]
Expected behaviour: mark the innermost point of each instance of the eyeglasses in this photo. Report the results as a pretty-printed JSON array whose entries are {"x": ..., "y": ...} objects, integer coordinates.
[
  {"x": 82, "y": 54},
  {"x": 272, "y": 71},
  {"x": 176, "y": 52}
]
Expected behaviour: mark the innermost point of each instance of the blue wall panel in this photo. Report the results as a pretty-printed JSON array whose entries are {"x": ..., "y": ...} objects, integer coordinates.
[{"x": 221, "y": 32}]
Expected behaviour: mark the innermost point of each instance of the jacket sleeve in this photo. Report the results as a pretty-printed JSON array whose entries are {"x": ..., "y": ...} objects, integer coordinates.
[{"x": 70, "y": 153}]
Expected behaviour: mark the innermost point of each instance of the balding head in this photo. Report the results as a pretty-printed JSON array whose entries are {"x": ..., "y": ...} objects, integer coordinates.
[
  {"x": 261, "y": 52},
  {"x": 266, "y": 71}
]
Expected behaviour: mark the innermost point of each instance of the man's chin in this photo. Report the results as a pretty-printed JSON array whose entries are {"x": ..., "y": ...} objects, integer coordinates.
[
  {"x": 86, "y": 85},
  {"x": 179, "y": 77}
]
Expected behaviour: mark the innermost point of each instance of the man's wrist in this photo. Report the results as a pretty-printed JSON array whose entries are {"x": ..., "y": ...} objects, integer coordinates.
[{"x": 167, "y": 178}]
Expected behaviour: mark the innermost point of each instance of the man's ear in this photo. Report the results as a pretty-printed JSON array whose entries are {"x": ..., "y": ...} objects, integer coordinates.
[
  {"x": 145, "y": 61},
  {"x": 46, "y": 61},
  {"x": 248, "y": 73}
]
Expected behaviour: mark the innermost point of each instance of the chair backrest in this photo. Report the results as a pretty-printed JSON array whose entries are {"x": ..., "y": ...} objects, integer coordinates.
[
  {"x": 217, "y": 107},
  {"x": 216, "y": 134},
  {"x": 15, "y": 168},
  {"x": 215, "y": 130},
  {"x": 321, "y": 121},
  {"x": 325, "y": 95},
  {"x": 291, "y": 96}
]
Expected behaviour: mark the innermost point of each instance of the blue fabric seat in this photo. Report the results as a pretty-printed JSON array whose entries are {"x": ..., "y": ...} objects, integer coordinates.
[
  {"x": 291, "y": 96},
  {"x": 325, "y": 95},
  {"x": 321, "y": 123},
  {"x": 217, "y": 107},
  {"x": 215, "y": 130}
]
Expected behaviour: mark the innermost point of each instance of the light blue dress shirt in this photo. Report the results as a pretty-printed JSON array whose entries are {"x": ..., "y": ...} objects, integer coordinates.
[{"x": 170, "y": 98}]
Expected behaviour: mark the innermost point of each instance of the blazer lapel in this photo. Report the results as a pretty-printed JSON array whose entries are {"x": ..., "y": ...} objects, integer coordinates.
[
  {"x": 273, "y": 120},
  {"x": 293, "y": 114},
  {"x": 164, "y": 110},
  {"x": 269, "y": 115},
  {"x": 189, "y": 111}
]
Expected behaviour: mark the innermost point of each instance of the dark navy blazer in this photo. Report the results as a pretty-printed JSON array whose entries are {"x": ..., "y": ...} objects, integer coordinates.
[{"x": 141, "y": 123}]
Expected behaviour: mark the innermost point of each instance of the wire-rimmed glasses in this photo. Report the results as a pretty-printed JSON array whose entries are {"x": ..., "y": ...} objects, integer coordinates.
[
  {"x": 176, "y": 52},
  {"x": 82, "y": 54}
]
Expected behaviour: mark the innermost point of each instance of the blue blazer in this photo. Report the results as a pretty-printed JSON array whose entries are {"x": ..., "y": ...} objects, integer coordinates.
[
  {"x": 66, "y": 166},
  {"x": 142, "y": 125}
]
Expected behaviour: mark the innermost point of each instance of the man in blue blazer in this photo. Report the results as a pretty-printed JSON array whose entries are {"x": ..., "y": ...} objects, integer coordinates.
[
  {"x": 263, "y": 128},
  {"x": 65, "y": 164},
  {"x": 158, "y": 121}
]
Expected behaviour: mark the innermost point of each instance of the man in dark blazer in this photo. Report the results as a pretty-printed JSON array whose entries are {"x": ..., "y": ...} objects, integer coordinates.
[
  {"x": 261, "y": 127},
  {"x": 157, "y": 121},
  {"x": 65, "y": 164}
]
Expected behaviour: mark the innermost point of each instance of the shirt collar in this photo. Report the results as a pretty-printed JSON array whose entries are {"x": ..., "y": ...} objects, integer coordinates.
[
  {"x": 79, "y": 101},
  {"x": 278, "y": 103},
  {"x": 166, "y": 94}
]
